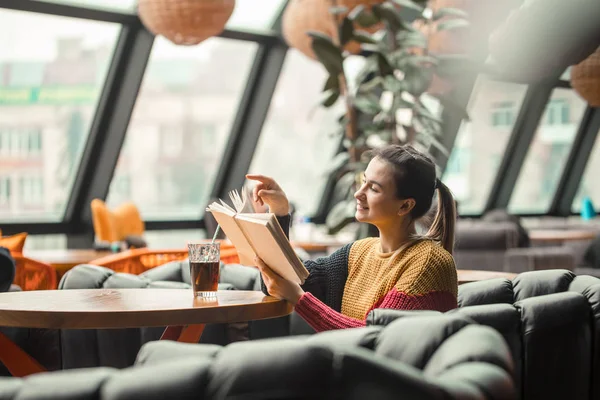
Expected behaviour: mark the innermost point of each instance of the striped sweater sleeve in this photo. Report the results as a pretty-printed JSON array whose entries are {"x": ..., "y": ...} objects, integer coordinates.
[
  {"x": 323, "y": 318},
  {"x": 427, "y": 287}
]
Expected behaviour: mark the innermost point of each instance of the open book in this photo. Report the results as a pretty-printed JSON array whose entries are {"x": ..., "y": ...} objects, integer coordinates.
[{"x": 259, "y": 235}]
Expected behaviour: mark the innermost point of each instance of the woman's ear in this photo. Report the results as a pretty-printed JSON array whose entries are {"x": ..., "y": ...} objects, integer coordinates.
[{"x": 406, "y": 207}]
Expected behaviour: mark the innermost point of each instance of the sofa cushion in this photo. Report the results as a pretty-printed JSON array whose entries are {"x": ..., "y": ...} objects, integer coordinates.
[
  {"x": 539, "y": 283},
  {"x": 181, "y": 379},
  {"x": 286, "y": 368},
  {"x": 557, "y": 343},
  {"x": 490, "y": 291}
]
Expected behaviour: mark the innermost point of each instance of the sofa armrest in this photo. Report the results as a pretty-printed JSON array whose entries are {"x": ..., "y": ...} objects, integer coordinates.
[
  {"x": 171, "y": 271},
  {"x": 384, "y": 316}
]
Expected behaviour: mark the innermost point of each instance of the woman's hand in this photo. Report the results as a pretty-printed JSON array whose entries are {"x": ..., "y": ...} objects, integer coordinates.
[
  {"x": 277, "y": 286},
  {"x": 268, "y": 192}
]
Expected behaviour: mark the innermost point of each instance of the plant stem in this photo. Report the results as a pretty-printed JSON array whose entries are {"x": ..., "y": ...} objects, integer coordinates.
[{"x": 352, "y": 125}]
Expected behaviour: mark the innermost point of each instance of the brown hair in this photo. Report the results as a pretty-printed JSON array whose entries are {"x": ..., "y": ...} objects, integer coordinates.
[{"x": 415, "y": 178}]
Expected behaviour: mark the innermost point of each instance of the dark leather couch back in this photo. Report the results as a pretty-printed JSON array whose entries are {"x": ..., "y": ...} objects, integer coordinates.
[
  {"x": 550, "y": 320},
  {"x": 424, "y": 357}
]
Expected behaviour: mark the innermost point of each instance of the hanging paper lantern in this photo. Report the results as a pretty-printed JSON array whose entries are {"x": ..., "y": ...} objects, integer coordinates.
[
  {"x": 585, "y": 79},
  {"x": 185, "y": 22},
  {"x": 302, "y": 16}
]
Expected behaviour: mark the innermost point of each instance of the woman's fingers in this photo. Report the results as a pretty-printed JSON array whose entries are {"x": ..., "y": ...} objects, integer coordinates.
[
  {"x": 266, "y": 180},
  {"x": 266, "y": 271}
]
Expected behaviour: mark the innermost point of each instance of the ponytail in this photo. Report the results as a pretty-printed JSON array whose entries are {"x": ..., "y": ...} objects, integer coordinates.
[{"x": 442, "y": 227}]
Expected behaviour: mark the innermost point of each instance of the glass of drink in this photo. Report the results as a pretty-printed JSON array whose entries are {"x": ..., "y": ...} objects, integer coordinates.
[{"x": 204, "y": 268}]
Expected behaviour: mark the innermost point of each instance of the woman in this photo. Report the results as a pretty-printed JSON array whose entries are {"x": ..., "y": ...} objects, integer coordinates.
[{"x": 398, "y": 269}]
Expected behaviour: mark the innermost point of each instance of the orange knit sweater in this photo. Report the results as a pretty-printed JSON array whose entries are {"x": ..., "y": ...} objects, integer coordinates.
[{"x": 423, "y": 276}]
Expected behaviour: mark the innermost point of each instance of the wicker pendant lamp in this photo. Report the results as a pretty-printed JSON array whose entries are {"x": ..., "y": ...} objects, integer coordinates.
[
  {"x": 302, "y": 16},
  {"x": 185, "y": 22},
  {"x": 585, "y": 78}
]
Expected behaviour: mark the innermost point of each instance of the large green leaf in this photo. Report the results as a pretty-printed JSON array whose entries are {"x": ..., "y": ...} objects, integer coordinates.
[
  {"x": 452, "y": 24},
  {"x": 409, "y": 39},
  {"x": 384, "y": 65},
  {"x": 392, "y": 84},
  {"x": 340, "y": 216},
  {"x": 363, "y": 17},
  {"x": 449, "y": 12},
  {"x": 409, "y": 4},
  {"x": 422, "y": 61},
  {"x": 363, "y": 37},
  {"x": 368, "y": 86},
  {"x": 367, "y": 104},
  {"x": 346, "y": 31},
  {"x": 327, "y": 52},
  {"x": 417, "y": 80},
  {"x": 332, "y": 83},
  {"x": 390, "y": 14},
  {"x": 330, "y": 97},
  {"x": 338, "y": 10}
]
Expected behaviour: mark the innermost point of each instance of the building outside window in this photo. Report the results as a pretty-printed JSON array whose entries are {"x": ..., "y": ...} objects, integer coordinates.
[
  {"x": 4, "y": 190},
  {"x": 503, "y": 113},
  {"x": 32, "y": 190},
  {"x": 20, "y": 142},
  {"x": 558, "y": 112}
]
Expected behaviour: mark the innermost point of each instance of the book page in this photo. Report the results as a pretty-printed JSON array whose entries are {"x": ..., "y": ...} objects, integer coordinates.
[
  {"x": 274, "y": 252},
  {"x": 225, "y": 218}
]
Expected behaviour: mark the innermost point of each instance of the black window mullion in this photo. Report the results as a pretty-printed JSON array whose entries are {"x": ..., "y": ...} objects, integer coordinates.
[
  {"x": 68, "y": 10},
  {"x": 529, "y": 118},
  {"x": 108, "y": 131},
  {"x": 576, "y": 163}
]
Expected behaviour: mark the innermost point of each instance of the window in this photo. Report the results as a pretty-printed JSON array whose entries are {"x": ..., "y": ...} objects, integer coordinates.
[
  {"x": 255, "y": 14},
  {"x": 298, "y": 140},
  {"x": 504, "y": 114},
  {"x": 31, "y": 190},
  {"x": 4, "y": 190},
  {"x": 481, "y": 142},
  {"x": 189, "y": 95},
  {"x": 589, "y": 183},
  {"x": 50, "y": 81},
  {"x": 557, "y": 112},
  {"x": 20, "y": 142},
  {"x": 547, "y": 154}
]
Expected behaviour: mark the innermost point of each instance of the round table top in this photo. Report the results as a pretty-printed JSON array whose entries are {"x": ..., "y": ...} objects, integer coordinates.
[{"x": 133, "y": 308}]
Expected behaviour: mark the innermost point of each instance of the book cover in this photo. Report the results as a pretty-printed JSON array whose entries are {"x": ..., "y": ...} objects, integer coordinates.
[{"x": 259, "y": 235}]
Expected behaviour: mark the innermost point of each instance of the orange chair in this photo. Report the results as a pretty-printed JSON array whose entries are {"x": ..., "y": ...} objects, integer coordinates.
[
  {"x": 34, "y": 275},
  {"x": 137, "y": 261},
  {"x": 116, "y": 225}
]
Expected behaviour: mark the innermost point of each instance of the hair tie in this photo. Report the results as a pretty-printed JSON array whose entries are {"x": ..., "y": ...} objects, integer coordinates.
[{"x": 438, "y": 183}]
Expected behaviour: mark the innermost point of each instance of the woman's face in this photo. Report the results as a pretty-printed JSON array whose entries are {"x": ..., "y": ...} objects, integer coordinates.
[{"x": 376, "y": 201}]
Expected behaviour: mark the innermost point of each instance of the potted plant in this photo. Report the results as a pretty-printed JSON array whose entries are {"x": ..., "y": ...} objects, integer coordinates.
[{"x": 385, "y": 102}]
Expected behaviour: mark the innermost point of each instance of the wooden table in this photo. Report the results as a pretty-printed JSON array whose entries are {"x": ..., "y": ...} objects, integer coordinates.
[
  {"x": 178, "y": 309},
  {"x": 561, "y": 235},
  {"x": 64, "y": 260},
  {"x": 466, "y": 275}
]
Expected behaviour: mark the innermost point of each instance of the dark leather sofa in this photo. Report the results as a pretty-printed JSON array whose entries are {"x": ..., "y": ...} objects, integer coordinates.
[
  {"x": 424, "y": 357},
  {"x": 550, "y": 320}
]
